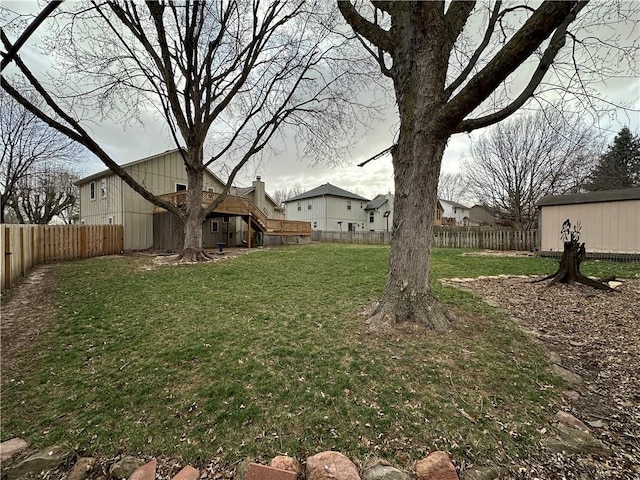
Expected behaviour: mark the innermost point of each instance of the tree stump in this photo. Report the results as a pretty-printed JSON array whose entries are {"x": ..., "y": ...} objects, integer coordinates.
[{"x": 569, "y": 270}]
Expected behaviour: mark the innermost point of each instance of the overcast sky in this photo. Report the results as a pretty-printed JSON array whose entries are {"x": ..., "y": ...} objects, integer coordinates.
[{"x": 286, "y": 169}]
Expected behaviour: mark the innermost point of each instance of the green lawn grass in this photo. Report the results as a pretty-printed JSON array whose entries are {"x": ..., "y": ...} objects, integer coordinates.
[{"x": 267, "y": 354}]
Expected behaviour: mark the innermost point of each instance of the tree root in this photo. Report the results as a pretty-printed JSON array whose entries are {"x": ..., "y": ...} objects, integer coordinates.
[
  {"x": 192, "y": 255},
  {"x": 421, "y": 309}
]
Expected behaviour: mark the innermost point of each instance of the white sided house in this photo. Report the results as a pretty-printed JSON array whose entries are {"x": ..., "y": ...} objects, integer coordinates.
[
  {"x": 454, "y": 213},
  {"x": 379, "y": 212},
  {"x": 609, "y": 221},
  {"x": 329, "y": 208}
]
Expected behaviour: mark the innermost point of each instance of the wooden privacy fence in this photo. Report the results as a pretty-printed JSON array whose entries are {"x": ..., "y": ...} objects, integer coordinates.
[
  {"x": 482, "y": 237},
  {"x": 24, "y": 246},
  {"x": 447, "y": 237}
]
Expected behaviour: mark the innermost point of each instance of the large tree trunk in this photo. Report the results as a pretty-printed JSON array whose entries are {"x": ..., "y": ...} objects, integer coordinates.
[
  {"x": 416, "y": 161},
  {"x": 407, "y": 294},
  {"x": 194, "y": 213}
]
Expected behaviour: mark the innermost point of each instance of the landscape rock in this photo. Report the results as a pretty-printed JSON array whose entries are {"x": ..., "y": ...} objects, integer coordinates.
[
  {"x": 241, "y": 469},
  {"x": 384, "y": 472},
  {"x": 11, "y": 448},
  {"x": 264, "y": 472},
  {"x": 146, "y": 471},
  {"x": 188, "y": 473},
  {"x": 331, "y": 465},
  {"x": 570, "y": 421},
  {"x": 436, "y": 466},
  {"x": 571, "y": 395},
  {"x": 81, "y": 469},
  {"x": 284, "y": 462},
  {"x": 125, "y": 467},
  {"x": 570, "y": 440},
  {"x": 47, "y": 459},
  {"x": 566, "y": 375},
  {"x": 554, "y": 357},
  {"x": 483, "y": 473}
]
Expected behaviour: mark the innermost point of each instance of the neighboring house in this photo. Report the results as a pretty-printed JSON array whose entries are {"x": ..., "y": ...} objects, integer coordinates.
[
  {"x": 379, "y": 213},
  {"x": 609, "y": 221},
  {"x": 454, "y": 213},
  {"x": 481, "y": 215},
  {"x": 332, "y": 209},
  {"x": 105, "y": 198},
  {"x": 329, "y": 208}
]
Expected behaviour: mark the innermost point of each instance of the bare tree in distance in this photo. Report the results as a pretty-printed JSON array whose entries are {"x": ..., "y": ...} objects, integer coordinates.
[
  {"x": 449, "y": 79},
  {"x": 230, "y": 74},
  {"x": 281, "y": 195},
  {"x": 517, "y": 162},
  {"x": 453, "y": 186},
  {"x": 29, "y": 147},
  {"x": 46, "y": 194}
]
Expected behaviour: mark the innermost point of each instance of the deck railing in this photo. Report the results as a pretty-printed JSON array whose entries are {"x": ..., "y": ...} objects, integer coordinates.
[
  {"x": 288, "y": 227},
  {"x": 243, "y": 206},
  {"x": 231, "y": 205}
]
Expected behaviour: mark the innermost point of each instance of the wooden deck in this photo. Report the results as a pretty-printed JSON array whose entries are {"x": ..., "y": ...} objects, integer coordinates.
[{"x": 244, "y": 207}]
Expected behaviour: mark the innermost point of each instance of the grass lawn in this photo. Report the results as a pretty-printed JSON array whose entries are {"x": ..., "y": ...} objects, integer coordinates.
[{"x": 266, "y": 354}]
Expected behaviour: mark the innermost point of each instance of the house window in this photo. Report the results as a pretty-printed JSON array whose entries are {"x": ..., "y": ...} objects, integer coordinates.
[
  {"x": 92, "y": 190},
  {"x": 309, "y": 206},
  {"x": 214, "y": 226},
  {"x": 181, "y": 187},
  {"x": 103, "y": 188},
  {"x": 371, "y": 217},
  {"x": 210, "y": 189},
  {"x": 348, "y": 204},
  {"x": 299, "y": 206}
]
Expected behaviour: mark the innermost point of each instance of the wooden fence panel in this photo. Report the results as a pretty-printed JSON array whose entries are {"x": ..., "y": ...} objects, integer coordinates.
[
  {"x": 24, "y": 246},
  {"x": 447, "y": 237}
]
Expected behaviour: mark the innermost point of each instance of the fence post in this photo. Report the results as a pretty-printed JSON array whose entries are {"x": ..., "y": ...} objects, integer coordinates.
[
  {"x": 7, "y": 258},
  {"x": 22, "y": 269}
]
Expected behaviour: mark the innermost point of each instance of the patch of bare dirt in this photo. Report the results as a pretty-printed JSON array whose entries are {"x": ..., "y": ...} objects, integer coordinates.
[
  {"x": 596, "y": 335},
  {"x": 499, "y": 253},
  {"x": 215, "y": 255},
  {"x": 24, "y": 311}
]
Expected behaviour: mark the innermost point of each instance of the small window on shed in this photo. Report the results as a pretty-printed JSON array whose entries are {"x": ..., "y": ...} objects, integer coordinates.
[
  {"x": 214, "y": 226},
  {"x": 309, "y": 205},
  {"x": 299, "y": 206},
  {"x": 92, "y": 190},
  {"x": 348, "y": 204},
  {"x": 181, "y": 187},
  {"x": 371, "y": 217}
]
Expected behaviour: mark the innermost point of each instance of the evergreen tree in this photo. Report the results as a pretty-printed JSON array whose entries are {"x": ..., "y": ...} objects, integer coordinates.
[{"x": 619, "y": 167}]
